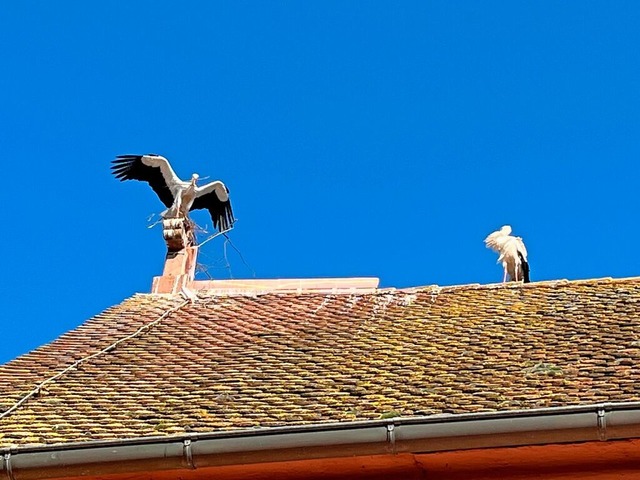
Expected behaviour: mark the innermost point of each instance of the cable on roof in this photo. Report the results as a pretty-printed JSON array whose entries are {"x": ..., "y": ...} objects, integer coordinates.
[{"x": 140, "y": 330}]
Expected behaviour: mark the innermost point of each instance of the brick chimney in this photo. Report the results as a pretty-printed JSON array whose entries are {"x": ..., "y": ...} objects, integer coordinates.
[
  {"x": 179, "y": 271},
  {"x": 182, "y": 255}
]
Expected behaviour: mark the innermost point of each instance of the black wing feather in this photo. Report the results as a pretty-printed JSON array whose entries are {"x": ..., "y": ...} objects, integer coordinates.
[
  {"x": 221, "y": 212},
  {"x": 525, "y": 268},
  {"x": 130, "y": 167}
]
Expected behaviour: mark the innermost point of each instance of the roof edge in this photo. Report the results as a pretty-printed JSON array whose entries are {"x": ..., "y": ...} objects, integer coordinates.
[{"x": 436, "y": 433}]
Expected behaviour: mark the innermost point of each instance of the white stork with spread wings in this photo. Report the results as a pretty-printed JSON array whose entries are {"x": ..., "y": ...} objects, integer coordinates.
[
  {"x": 179, "y": 196},
  {"x": 513, "y": 254}
]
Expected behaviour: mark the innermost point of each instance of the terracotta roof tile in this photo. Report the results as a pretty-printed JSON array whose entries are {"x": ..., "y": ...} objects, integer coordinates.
[{"x": 229, "y": 362}]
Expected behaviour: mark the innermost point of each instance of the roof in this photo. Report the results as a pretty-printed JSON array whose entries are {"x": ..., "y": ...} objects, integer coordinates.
[{"x": 229, "y": 362}]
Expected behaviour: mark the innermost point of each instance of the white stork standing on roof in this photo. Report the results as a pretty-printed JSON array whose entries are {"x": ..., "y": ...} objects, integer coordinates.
[
  {"x": 179, "y": 196},
  {"x": 513, "y": 254}
]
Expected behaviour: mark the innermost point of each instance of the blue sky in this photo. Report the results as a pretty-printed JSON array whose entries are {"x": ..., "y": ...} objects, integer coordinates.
[{"x": 357, "y": 139}]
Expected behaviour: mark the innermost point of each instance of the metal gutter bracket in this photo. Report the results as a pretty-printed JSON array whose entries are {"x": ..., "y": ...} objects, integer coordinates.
[
  {"x": 602, "y": 423},
  {"x": 7, "y": 466},
  {"x": 188, "y": 453},
  {"x": 391, "y": 437}
]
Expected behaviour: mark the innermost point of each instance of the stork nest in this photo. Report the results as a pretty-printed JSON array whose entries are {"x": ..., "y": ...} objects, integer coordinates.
[{"x": 178, "y": 233}]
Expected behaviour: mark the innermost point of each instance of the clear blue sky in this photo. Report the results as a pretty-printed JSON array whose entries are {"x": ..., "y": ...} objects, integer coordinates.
[{"x": 357, "y": 138}]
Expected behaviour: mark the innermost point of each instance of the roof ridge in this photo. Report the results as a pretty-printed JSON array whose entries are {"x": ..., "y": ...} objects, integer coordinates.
[
  {"x": 75, "y": 364},
  {"x": 433, "y": 288},
  {"x": 542, "y": 283}
]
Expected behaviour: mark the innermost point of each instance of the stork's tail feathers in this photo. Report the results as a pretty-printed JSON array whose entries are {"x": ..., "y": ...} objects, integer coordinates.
[{"x": 525, "y": 268}]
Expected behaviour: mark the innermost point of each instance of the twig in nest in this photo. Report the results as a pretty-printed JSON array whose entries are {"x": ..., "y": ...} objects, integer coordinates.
[
  {"x": 224, "y": 232},
  {"x": 150, "y": 217},
  {"x": 239, "y": 253}
]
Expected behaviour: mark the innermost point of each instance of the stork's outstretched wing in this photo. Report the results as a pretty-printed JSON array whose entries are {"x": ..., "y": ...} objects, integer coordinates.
[
  {"x": 215, "y": 197},
  {"x": 151, "y": 168}
]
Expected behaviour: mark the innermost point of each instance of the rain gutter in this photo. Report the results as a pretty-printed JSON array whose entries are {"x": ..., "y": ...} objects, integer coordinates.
[{"x": 435, "y": 433}]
